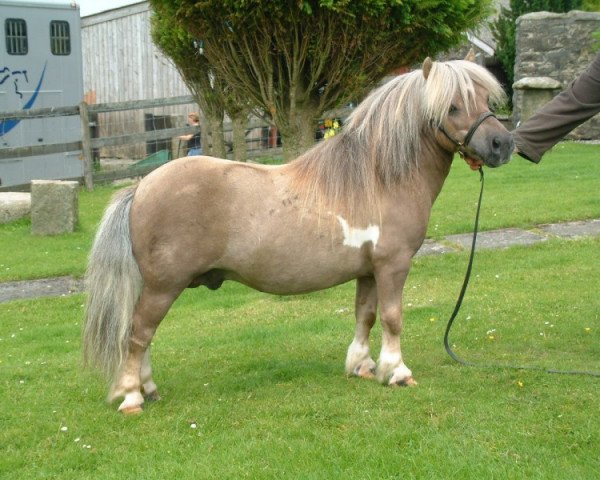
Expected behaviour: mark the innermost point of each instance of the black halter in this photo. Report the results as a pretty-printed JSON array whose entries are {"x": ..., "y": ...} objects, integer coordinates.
[{"x": 465, "y": 143}]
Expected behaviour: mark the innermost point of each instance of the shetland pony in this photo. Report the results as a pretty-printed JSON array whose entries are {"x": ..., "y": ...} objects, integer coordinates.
[{"x": 353, "y": 207}]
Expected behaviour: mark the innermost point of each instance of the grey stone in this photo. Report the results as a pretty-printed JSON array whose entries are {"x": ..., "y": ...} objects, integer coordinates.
[
  {"x": 430, "y": 247},
  {"x": 535, "y": 93},
  {"x": 559, "y": 46},
  {"x": 14, "y": 205},
  {"x": 498, "y": 238},
  {"x": 545, "y": 16},
  {"x": 46, "y": 287},
  {"x": 537, "y": 83},
  {"x": 589, "y": 228},
  {"x": 54, "y": 206}
]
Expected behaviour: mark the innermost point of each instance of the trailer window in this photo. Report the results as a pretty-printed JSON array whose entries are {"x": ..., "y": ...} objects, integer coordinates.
[
  {"x": 15, "y": 31},
  {"x": 60, "y": 37}
]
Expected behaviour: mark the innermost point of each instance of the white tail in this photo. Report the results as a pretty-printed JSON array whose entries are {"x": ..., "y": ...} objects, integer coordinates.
[{"x": 113, "y": 283}]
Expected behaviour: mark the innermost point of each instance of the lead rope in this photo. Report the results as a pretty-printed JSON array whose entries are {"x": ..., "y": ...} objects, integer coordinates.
[{"x": 461, "y": 296}]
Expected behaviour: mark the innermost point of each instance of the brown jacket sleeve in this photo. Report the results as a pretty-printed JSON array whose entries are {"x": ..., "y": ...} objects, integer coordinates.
[{"x": 569, "y": 109}]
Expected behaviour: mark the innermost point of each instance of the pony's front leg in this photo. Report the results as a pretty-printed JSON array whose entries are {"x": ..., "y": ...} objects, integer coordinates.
[
  {"x": 391, "y": 369},
  {"x": 358, "y": 359}
]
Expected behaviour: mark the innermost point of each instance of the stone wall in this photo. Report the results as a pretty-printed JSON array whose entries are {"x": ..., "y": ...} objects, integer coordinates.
[{"x": 559, "y": 46}]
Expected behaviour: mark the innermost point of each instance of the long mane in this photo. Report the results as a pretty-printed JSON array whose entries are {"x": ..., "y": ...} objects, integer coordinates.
[{"x": 380, "y": 144}]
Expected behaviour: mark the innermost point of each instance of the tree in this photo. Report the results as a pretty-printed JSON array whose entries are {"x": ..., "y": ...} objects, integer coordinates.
[
  {"x": 178, "y": 45},
  {"x": 213, "y": 95},
  {"x": 295, "y": 59},
  {"x": 505, "y": 26}
]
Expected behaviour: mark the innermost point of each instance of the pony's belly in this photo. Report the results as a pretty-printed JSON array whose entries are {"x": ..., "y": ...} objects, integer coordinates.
[
  {"x": 284, "y": 285},
  {"x": 294, "y": 273}
]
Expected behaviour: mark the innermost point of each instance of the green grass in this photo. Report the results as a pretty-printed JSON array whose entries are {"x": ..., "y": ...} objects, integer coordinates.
[
  {"x": 261, "y": 377},
  {"x": 24, "y": 256},
  {"x": 562, "y": 187}
]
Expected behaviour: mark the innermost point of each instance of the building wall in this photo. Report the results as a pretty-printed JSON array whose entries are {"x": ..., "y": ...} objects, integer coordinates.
[
  {"x": 121, "y": 63},
  {"x": 559, "y": 46}
]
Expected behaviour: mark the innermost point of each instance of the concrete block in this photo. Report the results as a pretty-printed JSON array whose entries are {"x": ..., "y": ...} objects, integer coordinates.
[
  {"x": 54, "y": 206},
  {"x": 14, "y": 205}
]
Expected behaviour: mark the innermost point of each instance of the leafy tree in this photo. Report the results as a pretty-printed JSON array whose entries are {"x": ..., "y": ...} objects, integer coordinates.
[
  {"x": 504, "y": 29},
  {"x": 212, "y": 94},
  {"x": 296, "y": 59},
  {"x": 590, "y": 5},
  {"x": 178, "y": 45}
]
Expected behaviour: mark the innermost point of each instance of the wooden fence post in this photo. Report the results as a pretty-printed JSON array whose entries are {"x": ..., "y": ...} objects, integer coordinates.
[{"x": 86, "y": 146}]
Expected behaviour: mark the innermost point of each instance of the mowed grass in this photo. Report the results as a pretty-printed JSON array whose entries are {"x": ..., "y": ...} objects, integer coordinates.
[
  {"x": 24, "y": 256},
  {"x": 522, "y": 194},
  {"x": 253, "y": 385}
]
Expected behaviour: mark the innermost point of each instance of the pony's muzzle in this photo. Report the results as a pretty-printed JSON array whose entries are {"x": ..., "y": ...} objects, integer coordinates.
[
  {"x": 500, "y": 150},
  {"x": 495, "y": 150}
]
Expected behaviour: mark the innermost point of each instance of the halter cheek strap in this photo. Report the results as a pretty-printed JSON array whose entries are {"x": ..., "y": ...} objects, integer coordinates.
[{"x": 465, "y": 143}]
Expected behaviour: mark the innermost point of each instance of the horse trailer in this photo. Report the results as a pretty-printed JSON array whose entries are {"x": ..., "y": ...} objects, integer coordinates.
[{"x": 40, "y": 67}]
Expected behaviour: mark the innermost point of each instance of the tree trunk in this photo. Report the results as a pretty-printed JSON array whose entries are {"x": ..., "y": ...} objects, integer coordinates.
[
  {"x": 240, "y": 149},
  {"x": 214, "y": 143},
  {"x": 299, "y": 135}
]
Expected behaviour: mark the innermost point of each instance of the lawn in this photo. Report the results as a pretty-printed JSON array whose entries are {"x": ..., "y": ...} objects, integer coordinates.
[{"x": 253, "y": 385}]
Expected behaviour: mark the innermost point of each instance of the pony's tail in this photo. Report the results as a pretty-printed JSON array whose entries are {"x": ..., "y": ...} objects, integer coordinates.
[{"x": 113, "y": 283}]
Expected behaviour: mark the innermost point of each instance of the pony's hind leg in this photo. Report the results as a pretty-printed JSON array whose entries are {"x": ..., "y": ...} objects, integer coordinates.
[
  {"x": 358, "y": 359},
  {"x": 135, "y": 374},
  {"x": 149, "y": 388}
]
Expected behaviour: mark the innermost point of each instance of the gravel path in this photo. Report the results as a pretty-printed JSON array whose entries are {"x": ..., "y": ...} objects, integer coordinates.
[{"x": 45, "y": 287}]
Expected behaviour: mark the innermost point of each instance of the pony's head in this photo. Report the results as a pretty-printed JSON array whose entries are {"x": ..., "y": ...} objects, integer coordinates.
[
  {"x": 394, "y": 120},
  {"x": 431, "y": 112},
  {"x": 458, "y": 96}
]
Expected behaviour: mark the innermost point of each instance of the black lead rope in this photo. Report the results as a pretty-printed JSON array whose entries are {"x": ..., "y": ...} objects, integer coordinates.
[{"x": 461, "y": 296}]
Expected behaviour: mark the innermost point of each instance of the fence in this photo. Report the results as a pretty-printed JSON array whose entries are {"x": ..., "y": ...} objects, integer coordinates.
[{"x": 140, "y": 140}]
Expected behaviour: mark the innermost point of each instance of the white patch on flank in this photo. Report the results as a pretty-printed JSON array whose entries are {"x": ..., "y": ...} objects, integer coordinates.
[{"x": 357, "y": 237}]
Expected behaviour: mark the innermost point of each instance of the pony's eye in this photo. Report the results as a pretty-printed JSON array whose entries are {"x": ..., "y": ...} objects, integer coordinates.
[{"x": 453, "y": 109}]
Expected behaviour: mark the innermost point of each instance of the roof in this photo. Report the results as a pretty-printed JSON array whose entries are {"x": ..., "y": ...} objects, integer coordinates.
[{"x": 58, "y": 4}]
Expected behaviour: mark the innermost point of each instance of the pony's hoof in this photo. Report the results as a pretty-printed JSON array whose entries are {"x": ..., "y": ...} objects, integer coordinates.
[
  {"x": 405, "y": 382},
  {"x": 365, "y": 370},
  {"x": 132, "y": 404},
  {"x": 152, "y": 396},
  {"x": 368, "y": 374},
  {"x": 134, "y": 410}
]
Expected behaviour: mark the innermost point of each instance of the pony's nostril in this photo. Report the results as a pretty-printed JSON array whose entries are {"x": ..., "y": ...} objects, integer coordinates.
[{"x": 496, "y": 143}]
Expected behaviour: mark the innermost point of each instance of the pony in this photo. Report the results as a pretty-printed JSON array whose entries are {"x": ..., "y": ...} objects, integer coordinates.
[{"x": 355, "y": 206}]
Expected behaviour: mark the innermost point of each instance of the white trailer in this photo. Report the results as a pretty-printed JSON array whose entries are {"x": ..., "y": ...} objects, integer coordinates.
[{"x": 40, "y": 67}]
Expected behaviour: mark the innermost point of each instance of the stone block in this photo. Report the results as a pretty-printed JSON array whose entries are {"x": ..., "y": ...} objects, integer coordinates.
[
  {"x": 14, "y": 205},
  {"x": 54, "y": 206},
  {"x": 535, "y": 92},
  {"x": 556, "y": 45}
]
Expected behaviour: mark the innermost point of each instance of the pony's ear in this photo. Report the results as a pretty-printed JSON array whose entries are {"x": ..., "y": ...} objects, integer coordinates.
[
  {"x": 427, "y": 67},
  {"x": 470, "y": 55}
]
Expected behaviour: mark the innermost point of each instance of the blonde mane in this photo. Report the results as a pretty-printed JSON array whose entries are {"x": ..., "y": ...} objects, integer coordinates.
[{"x": 380, "y": 144}]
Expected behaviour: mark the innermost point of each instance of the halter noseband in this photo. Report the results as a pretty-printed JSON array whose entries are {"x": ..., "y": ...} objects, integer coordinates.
[{"x": 465, "y": 143}]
